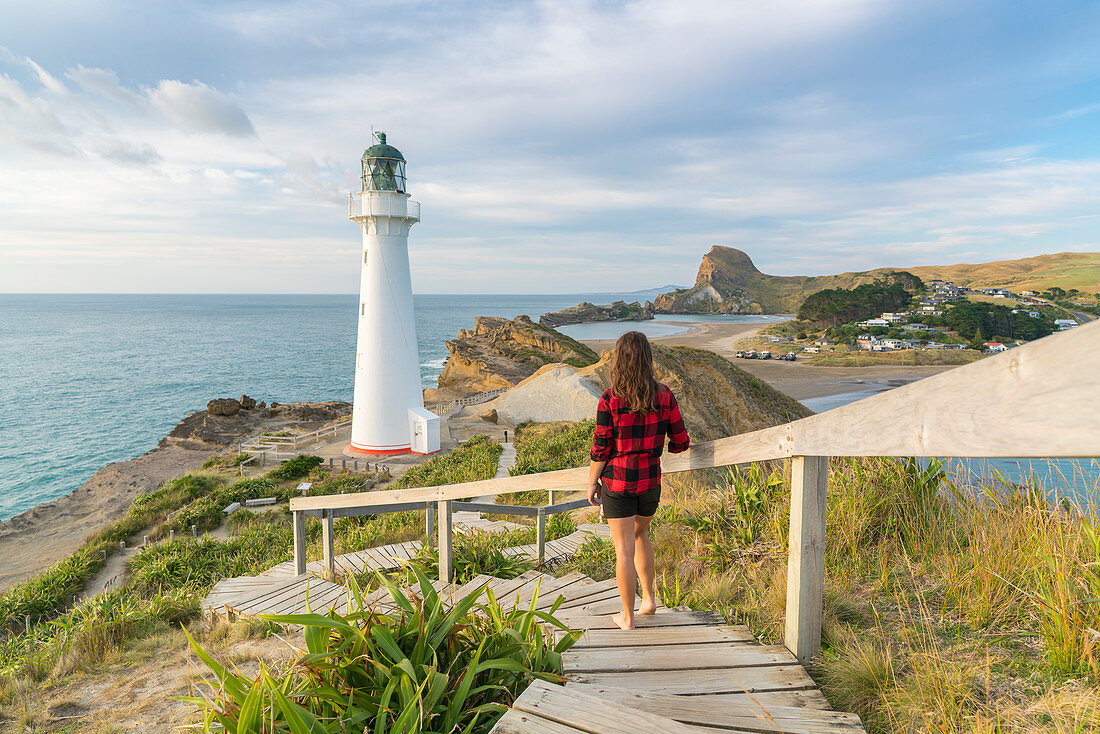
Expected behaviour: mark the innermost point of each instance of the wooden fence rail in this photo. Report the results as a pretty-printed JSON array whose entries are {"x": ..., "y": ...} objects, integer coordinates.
[{"x": 1037, "y": 401}]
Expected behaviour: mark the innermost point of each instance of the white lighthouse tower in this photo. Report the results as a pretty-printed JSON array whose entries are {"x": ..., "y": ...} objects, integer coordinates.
[{"x": 388, "y": 415}]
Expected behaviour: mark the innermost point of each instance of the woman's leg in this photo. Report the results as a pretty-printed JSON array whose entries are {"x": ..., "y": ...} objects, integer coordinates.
[
  {"x": 643, "y": 564},
  {"x": 622, "y": 533}
]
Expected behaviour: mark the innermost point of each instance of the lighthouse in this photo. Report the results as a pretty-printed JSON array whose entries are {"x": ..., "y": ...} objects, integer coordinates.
[{"x": 388, "y": 416}]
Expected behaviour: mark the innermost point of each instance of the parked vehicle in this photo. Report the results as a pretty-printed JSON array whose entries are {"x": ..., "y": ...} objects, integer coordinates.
[
  {"x": 740, "y": 354},
  {"x": 764, "y": 355},
  {"x": 789, "y": 357},
  {"x": 750, "y": 354}
]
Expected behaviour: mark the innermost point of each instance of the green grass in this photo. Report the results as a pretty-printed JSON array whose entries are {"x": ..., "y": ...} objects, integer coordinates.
[
  {"x": 906, "y": 357},
  {"x": 481, "y": 553},
  {"x": 473, "y": 460},
  {"x": 542, "y": 447}
]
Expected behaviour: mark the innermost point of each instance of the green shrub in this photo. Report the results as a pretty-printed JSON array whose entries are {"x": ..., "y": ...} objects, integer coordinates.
[
  {"x": 559, "y": 526},
  {"x": 42, "y": 595},
  {"x": 595, "y": 559},
  {"x": 481, "y": 553},
  {"x": 197, "y": 564},
  {"x": 295, "y": 468},
  {"x": 473, "y": 460},
  {"x": 422, "y": 669}
]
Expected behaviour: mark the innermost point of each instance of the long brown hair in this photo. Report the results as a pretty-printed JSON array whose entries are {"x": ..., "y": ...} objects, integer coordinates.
[{"x": 632, "y": 376}]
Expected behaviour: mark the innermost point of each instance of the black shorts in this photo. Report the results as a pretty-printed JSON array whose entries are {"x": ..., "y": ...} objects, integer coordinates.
[{"x": 627, "y": 504}]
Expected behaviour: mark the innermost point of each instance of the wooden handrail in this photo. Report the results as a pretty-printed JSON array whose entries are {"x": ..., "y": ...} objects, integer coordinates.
[{"x": 1034, "y": 401}]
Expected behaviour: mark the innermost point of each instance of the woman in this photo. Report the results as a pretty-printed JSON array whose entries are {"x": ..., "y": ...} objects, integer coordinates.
[{"x": 632, "y": 420}]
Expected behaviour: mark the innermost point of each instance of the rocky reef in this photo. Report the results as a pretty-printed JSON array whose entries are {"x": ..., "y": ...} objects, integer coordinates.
[
  {"x": 500, "y": 353},
  {"x": 725, "y": 283},
  {"x": 586, "y": 312}
]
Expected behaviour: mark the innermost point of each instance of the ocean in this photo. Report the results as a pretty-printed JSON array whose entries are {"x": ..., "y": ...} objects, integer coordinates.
[{"x": 86, "y": 380}]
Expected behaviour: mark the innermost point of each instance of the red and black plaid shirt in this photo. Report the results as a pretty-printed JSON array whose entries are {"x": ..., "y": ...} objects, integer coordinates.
[{"x": 631, "y": 443}]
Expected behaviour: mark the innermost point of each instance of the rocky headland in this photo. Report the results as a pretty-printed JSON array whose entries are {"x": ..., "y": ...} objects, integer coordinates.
[
  {"x": 586, "y": 312},
  {"x": 729, "y": 282},
  {"x": 565, "y": 379},
  {"x": 47, "y": 533},
  {"x": 499, "y": 353}
]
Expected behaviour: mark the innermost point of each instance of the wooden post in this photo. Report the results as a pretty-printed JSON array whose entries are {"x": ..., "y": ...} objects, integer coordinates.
[
  {"x": 328, "y": 546},
  {"x": 446, "y": 560},
  {"x": 299, "y": 543},
  {"x": 540, "y": 535},
  {"x": 429, "y": 525},
  {"x": 806, "y": 555},
  {"x": 551, "y": 500}
]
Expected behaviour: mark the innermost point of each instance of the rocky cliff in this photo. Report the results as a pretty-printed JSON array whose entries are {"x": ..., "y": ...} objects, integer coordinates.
[
  {"x": 500, "y": 353},
  {"x": 729, "y": 282},
  {"x": 587, "y": 312}
]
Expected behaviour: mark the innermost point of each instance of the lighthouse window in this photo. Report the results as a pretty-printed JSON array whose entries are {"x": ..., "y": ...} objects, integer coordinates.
[
  {"x": 362, "y": 308},
  {"x": 364, "y": 257}
]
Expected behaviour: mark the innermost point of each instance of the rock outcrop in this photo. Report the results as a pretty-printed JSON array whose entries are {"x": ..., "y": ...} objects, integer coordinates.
[
  {"x": 207, "y": 429},
  {"x": 716, "y": 398},
  {"x": 500, "y": 353},
  {"x": 223, "y": 406},
  {"x": 586, "y": 312},
  {"x": 557, "y": 392}
]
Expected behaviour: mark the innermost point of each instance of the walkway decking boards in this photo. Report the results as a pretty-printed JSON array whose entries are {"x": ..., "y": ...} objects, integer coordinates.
[
  {"x": 680, "y": 672},
  {"x": 249, "y": 595}
]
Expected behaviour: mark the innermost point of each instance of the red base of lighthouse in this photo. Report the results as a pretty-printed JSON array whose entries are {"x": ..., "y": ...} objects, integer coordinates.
[{"x": 353, "y": 450}]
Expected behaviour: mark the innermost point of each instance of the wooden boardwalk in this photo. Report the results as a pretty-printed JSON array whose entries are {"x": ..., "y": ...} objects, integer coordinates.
[
  {"x": 279, "y": 591},
  {"x": 680, "y": 671}
]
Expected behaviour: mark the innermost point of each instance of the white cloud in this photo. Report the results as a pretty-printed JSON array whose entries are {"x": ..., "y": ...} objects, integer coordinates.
[{"x": 198, "y": 108}]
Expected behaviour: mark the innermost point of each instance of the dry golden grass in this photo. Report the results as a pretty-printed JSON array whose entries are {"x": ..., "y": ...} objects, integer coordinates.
[{"x": 944, "y": 611}]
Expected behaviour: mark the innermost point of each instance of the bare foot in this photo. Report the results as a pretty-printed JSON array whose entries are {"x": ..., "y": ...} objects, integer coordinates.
[
  {"x": 622, "y": 622},
  {"x": 648, "y": 606}
]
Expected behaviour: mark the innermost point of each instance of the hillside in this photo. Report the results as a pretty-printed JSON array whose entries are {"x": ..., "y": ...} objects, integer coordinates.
[{"x": 729, "y": 282}]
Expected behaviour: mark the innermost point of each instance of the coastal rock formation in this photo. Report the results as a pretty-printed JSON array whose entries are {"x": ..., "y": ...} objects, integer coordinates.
[
  {"x": 247, "y": 403},
  {"x": 223, "y": 406},
  {"x": 729, "y": 282},
  {"x": 724, "y": 284},
  {"x": 500, "y": 353},
  {"x": 557, "y": 392},
  {"x": 716, "y": 398},
  {"x": 210, "y": 430},
  {"x": 586, "y": 312}
]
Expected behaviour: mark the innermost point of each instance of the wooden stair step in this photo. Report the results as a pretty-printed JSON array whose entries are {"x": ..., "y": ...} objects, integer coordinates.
[
  {"x": 713, "y": 680},
  {"x": 579, "y": 711},
  {"x": 692, "y": 656},
  {"x": 658, "y": 636},
  {"x": 665, "y": 619},
  {"x": 746, "y": 714}
]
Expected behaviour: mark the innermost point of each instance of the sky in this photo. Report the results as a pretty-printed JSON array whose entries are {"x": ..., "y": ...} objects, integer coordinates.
[{"x": 556, "y": 147}]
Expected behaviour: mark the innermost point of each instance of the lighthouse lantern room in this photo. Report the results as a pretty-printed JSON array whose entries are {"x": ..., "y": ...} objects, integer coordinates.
[{"x": 388, "y": 416}]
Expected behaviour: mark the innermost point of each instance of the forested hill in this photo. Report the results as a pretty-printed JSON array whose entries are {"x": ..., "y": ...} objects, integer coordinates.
[{"x": 729, "y": 282}]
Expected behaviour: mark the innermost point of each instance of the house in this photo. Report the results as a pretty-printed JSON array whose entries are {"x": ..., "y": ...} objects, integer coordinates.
[
  {"x": 866, "y": 341},
  {"x": 954, "y": 346},
  {"x": 917, "y": 327},
  {"x": 1035, "y": 314},
  {"x": 812, "y": 350},
  {"x": 870, "y": 323},
  {"x": 1063, "y": 324},
  {"x": 994, "y": 347},
  {"x": 894, "y": 318},
  {"x": 1028, "y": 293},
  {"x": 895, "y": 343},
  {"x": 998, "y": 295},
  {"x": 780, "y": 339},
  {"x": 935, "y": 346},
  {"x": 931, "y": 311},
  {"x": 913, "y": 343},
  {"x": 823, "y": 342}
]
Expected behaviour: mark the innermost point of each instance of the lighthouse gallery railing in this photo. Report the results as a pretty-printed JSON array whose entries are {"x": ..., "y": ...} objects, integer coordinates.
[{"x": 1039, "y": 400}]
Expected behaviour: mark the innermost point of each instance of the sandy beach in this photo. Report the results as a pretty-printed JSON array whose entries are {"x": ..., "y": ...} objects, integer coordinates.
[{"x": 798, "y": 379}]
